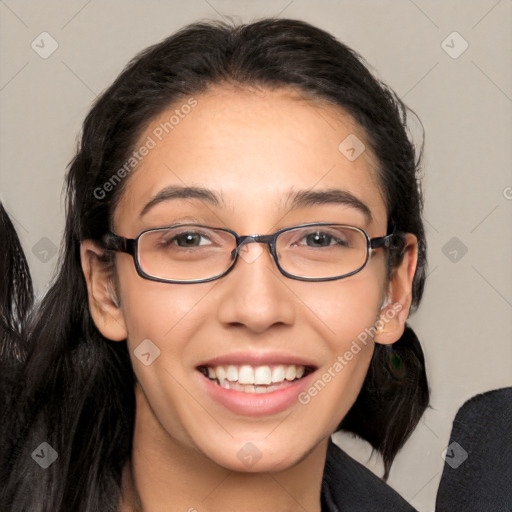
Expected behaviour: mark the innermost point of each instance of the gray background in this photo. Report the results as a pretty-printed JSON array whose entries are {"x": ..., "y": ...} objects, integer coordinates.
[{"x": 465, "y": 104}]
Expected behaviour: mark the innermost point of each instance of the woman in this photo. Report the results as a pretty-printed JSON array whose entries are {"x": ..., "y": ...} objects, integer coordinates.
[{"x": 243, "y": 246}]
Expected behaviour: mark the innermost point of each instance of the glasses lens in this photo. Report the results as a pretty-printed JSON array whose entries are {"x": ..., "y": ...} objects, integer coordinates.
[
  {"x": 185, "y": 253},
  {"x": 322, "y": 251}
]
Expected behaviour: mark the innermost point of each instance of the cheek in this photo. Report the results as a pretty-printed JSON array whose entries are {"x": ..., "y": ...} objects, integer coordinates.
[
  {"x": 161, "y": 320},
  {"x": 345, "y": 314},
  {"x": 166, "y": 314},
  {"x": 344, "y": 309}
]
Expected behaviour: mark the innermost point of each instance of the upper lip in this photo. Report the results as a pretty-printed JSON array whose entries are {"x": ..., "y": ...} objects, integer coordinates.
[{"x": 259, "y": 359}]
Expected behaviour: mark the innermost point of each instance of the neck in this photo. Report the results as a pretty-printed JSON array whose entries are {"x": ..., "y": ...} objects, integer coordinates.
[{"x": 166, "y": 475}]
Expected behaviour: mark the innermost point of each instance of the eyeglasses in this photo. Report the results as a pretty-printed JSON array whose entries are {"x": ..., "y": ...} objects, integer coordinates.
[{"x": 193, "y": 253}]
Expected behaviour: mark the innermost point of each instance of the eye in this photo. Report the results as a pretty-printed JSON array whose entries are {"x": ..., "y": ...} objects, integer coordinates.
[
  {"x": 189, "y": 239},
  {"x": 319, "y": 239},
  {"x": 183, "y": 238},
  {"x": 322, "y": 239}
]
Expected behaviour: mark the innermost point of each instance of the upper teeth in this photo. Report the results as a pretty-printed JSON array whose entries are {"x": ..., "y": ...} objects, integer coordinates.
[{"x": 246, "y": 374}]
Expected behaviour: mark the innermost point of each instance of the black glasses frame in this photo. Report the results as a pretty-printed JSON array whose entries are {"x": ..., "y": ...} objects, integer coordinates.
[{"x": 113, "y": 242}]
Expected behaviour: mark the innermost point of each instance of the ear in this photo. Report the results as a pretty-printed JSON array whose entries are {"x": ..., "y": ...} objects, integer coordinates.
[
  {"x": 103, "y": 305},
  {"x": 394, "y": 314}
]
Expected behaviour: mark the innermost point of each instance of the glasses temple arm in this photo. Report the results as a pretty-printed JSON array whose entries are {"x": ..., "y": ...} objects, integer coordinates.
[{"x": 113, "y": 242}]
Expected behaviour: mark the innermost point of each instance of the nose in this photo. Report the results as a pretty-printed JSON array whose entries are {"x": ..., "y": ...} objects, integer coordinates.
[{"x": 255, "y": 294}]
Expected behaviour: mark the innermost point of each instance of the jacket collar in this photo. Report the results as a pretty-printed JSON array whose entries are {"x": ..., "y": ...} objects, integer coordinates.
[{"x": 348, "y": 486}]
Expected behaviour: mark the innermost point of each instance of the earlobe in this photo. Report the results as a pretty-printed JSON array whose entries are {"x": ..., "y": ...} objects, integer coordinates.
[
  {"x": 393, "y": 316},
  {"x": 103, "y": 303}
]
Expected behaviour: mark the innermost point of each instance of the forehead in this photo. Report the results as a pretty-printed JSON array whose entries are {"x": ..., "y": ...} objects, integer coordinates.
[{"x": 252, "y": 147}]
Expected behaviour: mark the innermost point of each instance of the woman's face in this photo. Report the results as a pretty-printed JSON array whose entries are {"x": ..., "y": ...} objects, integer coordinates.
[{"x": 252, "y": 151}]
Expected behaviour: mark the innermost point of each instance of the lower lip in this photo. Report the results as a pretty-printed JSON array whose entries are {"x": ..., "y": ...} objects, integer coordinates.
[{"x": 255, "y": 404}]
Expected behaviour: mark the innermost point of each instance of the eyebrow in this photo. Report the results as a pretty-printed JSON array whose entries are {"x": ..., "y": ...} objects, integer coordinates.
[
  {"x": 181, "y": 192},
  {"x": 334, "y": 196},
  {"x": 296, "y": 199}
]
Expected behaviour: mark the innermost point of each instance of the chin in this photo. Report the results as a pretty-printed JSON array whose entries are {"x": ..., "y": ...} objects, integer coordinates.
[{"x": 260, "y": 455}]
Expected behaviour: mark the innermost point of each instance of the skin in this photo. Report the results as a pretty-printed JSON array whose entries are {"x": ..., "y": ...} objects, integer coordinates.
[{"x": 251, "y": 147}]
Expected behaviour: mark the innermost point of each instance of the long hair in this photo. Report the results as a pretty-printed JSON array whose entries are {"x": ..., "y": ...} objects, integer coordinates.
[
  {"x": 16, "y": 292},
  {"x": 16, "y": 298},
  {"x": 79, "y": 394}
]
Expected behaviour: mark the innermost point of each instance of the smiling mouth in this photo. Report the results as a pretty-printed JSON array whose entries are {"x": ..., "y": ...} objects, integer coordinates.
[{"x": 255, "y": 379}]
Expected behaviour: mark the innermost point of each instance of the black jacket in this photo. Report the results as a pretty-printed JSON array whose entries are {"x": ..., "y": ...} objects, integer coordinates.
[
  {"x": 478, "y": 469},
  {"x": 348, "y": 486}
]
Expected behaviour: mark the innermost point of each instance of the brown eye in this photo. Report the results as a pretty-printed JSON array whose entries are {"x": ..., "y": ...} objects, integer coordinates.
[
  {"x": 319, "y": 239},
  {"x": 188, "y": 239}
]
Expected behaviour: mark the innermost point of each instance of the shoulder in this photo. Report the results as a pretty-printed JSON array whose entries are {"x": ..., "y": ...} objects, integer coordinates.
[
  {"x": 477, "y": 474},
  {"x": 487, "y": 408},
  {"x": 348, "y": 486}
]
